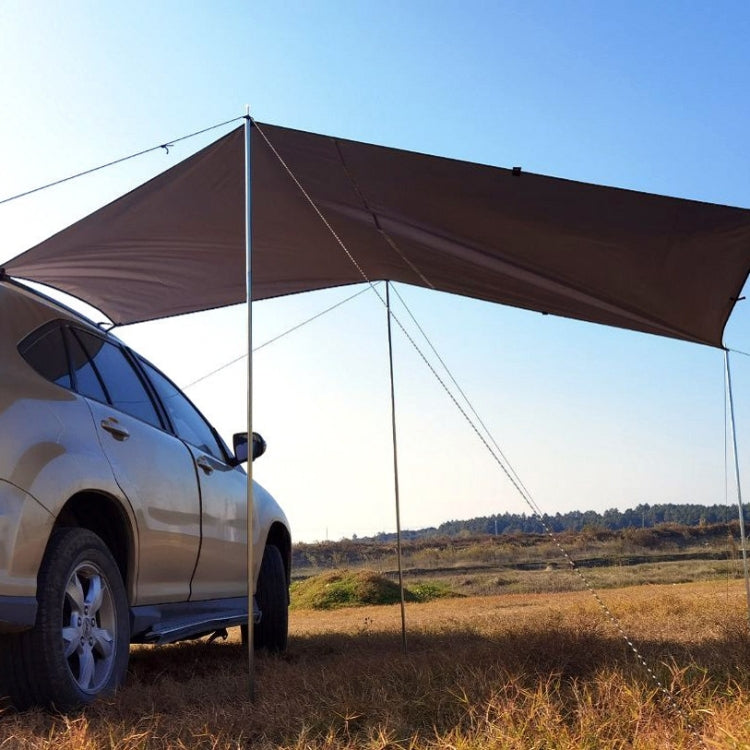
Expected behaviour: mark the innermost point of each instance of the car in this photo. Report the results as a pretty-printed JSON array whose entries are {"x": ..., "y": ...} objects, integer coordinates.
[{"x": 123, "y": 514}]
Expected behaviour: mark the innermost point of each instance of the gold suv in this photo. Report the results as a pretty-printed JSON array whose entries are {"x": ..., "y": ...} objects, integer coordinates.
[{"x": 122, "y": 513}]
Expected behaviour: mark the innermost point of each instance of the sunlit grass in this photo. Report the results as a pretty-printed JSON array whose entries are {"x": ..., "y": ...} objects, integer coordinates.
[{"x": 510, "y": 671}]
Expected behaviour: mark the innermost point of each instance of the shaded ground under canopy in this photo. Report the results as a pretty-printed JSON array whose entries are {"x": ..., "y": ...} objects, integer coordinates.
[{"x": 486, "y": 672}]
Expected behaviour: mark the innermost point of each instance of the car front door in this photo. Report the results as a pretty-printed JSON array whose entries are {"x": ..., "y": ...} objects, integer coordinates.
[{"x": 221, "y": 571}]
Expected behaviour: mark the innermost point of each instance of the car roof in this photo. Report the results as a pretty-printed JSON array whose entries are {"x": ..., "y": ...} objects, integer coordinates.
[{"x": 56, "y": 308}]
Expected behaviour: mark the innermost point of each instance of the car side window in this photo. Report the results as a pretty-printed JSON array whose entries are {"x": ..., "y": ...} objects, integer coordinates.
[
  {"x": 45, "y": 351},
  {"x": 124, "y": 387},
  {"x": 187, "y": 421},
  {"x": 86, "y": 379}
]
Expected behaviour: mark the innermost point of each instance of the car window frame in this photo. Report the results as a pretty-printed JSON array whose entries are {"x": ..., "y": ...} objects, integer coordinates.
[
  {"x": 227, "y": 456},
  {"x": 138, "y": 363},
  {"x": 70, "y": 337},
  {"x": 35, "y": 336},
  {"x": 70, "y": 330}
]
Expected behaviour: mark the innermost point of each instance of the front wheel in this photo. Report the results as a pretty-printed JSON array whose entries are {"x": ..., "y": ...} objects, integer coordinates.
[
  {"x": 78, "y": 648},
  {"x": 272, "y": 596}
]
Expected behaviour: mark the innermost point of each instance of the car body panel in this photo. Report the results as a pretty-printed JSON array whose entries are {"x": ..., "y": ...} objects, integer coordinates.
[
  {"x": 269, "y": 514},
  {"x": 155, "y": 472},
  {"x": 222, "y": 566},
  {"x": 48, "y": 444},
  {"x": 53, "y": 451},
  {"x": 24, "y": 528}
]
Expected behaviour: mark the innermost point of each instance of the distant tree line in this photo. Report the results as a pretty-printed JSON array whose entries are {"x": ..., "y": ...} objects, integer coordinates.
[
  {"x": 642, "y": 516},
  {"x": 639, "y": 530}
]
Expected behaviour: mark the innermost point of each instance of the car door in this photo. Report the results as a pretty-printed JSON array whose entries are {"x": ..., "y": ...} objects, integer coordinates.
[
  {"x": 153, "y": 468},
  {"x": 221, "y": 571}
]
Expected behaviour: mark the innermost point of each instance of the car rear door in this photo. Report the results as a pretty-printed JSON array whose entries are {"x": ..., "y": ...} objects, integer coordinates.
[{"x": 152, "y": 467}]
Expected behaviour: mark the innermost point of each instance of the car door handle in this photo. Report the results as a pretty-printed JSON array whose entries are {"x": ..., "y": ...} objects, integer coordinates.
[
  {"x": 112, "y": 426},
  {"x": 205, "y": 465}
]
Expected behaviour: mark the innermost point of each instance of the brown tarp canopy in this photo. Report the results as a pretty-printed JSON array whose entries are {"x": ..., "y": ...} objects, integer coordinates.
[{"x": 176, "y": 244}]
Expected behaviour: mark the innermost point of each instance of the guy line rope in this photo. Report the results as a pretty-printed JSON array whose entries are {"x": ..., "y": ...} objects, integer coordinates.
[
  {"x": 498, "y": 456},
  {"x": 166, "y": 146},
  {"x": 496, "y": 453}
]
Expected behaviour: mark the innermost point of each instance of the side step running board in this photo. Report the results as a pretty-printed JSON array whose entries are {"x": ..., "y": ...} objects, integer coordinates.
[{"x": 195, "y": 625}]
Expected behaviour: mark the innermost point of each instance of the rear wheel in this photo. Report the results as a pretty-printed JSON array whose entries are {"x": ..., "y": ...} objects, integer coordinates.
[
  {"x": 272, "y": 596},
  {"x": 78, "y": 648}
]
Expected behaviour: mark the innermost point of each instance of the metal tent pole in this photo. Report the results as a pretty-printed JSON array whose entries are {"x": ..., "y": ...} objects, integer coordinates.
[
  {"x": 250, "y": 501},
  {"x": 395, "y": 467},
  {"x": 737, "y": 476}
]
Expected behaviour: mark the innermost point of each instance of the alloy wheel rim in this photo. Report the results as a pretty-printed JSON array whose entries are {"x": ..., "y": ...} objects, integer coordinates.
[{"x": 89, "y": 625}]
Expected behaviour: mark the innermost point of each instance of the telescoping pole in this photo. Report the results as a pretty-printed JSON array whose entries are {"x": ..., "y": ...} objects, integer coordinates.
[
  {"x": 743, "y": 538},
  {"x": 250, "y": 501},
  {"x": 395, "y": 468}
]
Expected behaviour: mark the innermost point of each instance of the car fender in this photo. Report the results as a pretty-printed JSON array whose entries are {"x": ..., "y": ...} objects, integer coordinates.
[
  {"x": 50, "y": 451},
  {"x": 268, "y": 512},
  {"x": 25, "y": 526}
]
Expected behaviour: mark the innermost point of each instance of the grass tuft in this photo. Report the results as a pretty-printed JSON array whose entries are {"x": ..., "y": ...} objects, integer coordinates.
[
  {"x": 360, "y": 588},
  {"x": 426, "y": 591}
]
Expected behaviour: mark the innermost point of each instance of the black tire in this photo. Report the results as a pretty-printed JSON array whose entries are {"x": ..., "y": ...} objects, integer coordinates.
[
  {"x": 6, "y": 642},
  {"x": 78, "y": 648},
  {"x": 273, "y": 601}
]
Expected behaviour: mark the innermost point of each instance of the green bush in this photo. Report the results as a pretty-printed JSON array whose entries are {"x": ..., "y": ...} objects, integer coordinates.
[{"x": 425, "y": 591}]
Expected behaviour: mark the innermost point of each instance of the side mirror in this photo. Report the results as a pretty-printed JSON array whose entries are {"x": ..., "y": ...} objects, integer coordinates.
[
  {"x": 241, "y": 450},
  {"x": 259, "y": 445}
]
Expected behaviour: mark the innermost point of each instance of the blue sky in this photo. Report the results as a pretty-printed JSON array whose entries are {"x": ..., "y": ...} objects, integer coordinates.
[{"x": 640, "y": 95}]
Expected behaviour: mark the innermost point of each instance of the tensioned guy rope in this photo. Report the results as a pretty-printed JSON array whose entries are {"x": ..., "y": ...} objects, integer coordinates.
[
  {"x": 496, "y": 453},
  {"x": 501, "y": 462},
  {"x": 166, "y": 146},
  {"x": 274, "y": 339}
]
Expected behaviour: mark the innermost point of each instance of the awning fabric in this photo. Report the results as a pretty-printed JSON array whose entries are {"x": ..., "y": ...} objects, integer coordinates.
[{"x": 176, "y": 244}]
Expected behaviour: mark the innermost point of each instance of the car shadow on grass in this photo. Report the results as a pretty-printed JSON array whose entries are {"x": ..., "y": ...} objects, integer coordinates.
[
  {"x": 562, "y": 651},
  {"x": 359, "y": 689}
]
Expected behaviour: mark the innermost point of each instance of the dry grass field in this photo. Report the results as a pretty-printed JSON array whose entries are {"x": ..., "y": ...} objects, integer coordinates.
[{"x": 524, "y": 671}]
